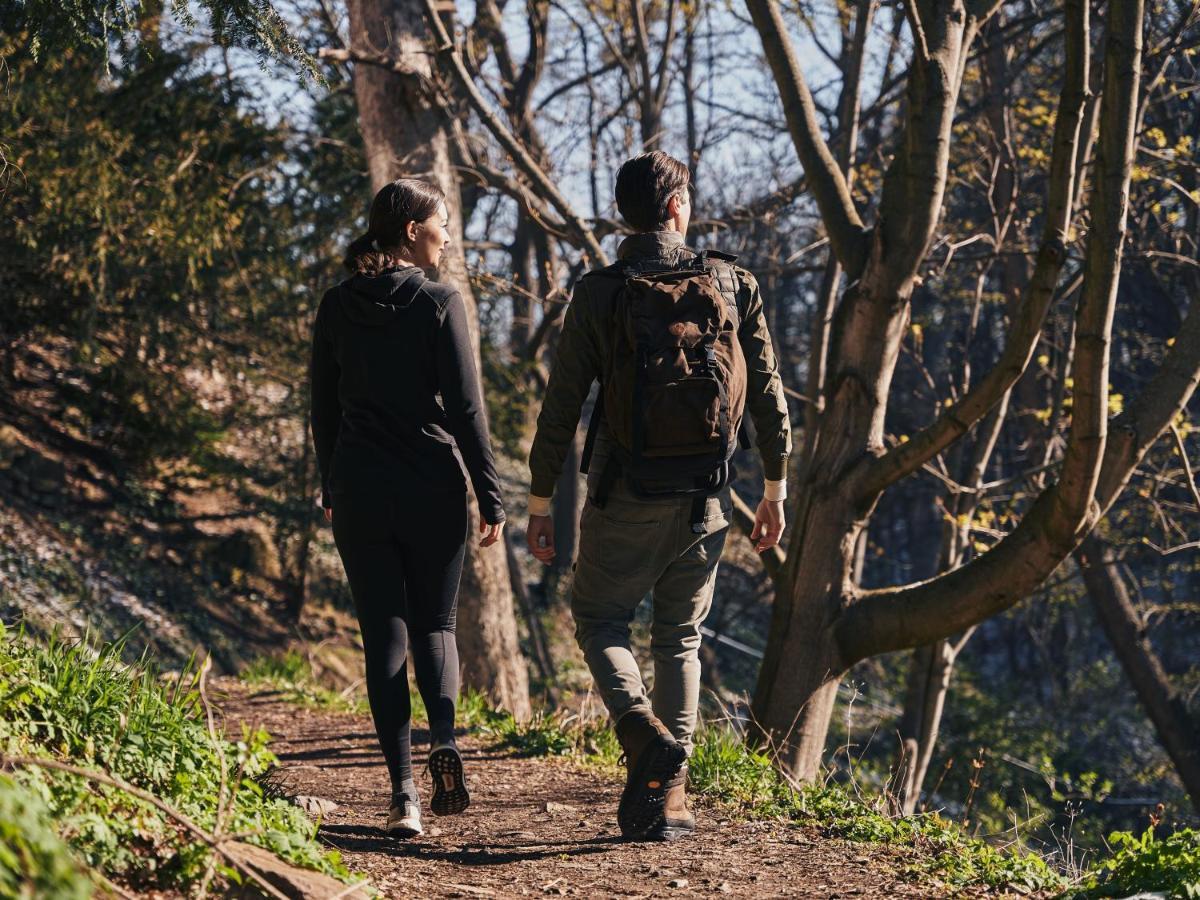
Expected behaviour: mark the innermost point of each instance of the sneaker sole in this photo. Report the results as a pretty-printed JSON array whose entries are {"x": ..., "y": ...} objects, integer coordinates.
[
  {"x": 645, "y": 794},
  {"x": 404, "y": 831},
  {"x": 450, "y": 795}
]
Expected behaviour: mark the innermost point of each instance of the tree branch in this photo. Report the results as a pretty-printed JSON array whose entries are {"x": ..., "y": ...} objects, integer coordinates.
[
  {"x": 1163, "y": 398},
  {"x": 845, "y": 227},
  {"x": 382, "y": 60},
  {"x": 958, "y": 419},
  {"x": 908, "y": 616},
  {"x": 447, "y": 52},
  {"x": 1187, "y": 466}
]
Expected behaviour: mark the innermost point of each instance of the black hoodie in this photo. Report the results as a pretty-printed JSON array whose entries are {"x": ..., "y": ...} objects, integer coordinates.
[{"x": 383, "y": 349}]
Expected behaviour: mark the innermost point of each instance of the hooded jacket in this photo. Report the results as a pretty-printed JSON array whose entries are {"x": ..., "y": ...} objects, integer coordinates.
[{"x": 384, "y": 348}]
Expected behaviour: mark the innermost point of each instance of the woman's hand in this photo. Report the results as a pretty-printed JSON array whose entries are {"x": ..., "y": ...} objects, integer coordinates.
[{"x": 491, "y": 533}]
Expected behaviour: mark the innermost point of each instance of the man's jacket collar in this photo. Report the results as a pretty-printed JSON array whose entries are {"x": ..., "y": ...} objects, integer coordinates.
[{"x": 650, "y": 245}]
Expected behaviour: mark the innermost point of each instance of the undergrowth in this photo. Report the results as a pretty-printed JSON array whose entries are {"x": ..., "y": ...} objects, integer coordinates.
[
  {"x": 34, "y": 860},
  {"x": 79, "y": 704},
  {"x": 724, "y": 771},
  {"x": 291, "y": 674},
  {"x": 1146, "y": 862}
]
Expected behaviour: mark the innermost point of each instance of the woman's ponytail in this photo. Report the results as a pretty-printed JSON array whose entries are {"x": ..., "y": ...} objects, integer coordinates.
[
  {"x": 363, "y": 257},
  {"x": 404, "y": 200}
]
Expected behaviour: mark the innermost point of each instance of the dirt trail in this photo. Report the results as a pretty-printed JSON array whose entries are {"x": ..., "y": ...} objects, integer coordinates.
[{"x": 542, "y": 826}]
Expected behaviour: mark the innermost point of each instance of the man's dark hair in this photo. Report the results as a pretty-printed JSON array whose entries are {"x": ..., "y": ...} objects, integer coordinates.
[{"x": 644, "y": 186}]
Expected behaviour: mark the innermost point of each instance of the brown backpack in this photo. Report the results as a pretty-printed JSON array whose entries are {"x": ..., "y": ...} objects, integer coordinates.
[{"x": 674, "y": 389}]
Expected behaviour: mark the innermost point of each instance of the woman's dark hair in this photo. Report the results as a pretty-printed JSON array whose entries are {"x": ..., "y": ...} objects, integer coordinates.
[
  {"x": 404, "y": 200},
  {"x": 645, "y": 184}
]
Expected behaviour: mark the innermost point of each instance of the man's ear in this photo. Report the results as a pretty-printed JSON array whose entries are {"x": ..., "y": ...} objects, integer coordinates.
[{"x": 673, "y": 206}]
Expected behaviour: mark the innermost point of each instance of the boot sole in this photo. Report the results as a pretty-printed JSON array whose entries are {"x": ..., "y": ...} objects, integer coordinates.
[
  {"x": 644, "y": 798},
  {"x": 671, "y": 832},
  {"x": 450, "y": 795}
]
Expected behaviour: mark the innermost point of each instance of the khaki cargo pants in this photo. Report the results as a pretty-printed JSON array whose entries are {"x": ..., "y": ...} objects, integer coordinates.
[{"x": 630, "y": 549}]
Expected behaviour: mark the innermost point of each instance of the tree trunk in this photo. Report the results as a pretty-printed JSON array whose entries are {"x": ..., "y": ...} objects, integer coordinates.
[
  {"x": 404, "y": 133},
  {"x": 801, "y": 668},
  {"x": 928, "y": 683},
  {"x": 1178, "y": 732}
]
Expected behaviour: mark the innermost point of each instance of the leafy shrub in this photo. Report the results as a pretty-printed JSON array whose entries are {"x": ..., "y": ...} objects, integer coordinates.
[
  {"x": 34, "y": 861},
  {"x": 1148, "y": 863},
  {"x": 74, "y": 702}
]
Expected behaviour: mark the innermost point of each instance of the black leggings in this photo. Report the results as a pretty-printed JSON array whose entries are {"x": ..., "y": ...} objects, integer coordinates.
[{"x": 404, "y": 559}]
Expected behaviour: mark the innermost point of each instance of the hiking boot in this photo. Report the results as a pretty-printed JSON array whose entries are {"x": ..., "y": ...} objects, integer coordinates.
[
  {"x": 404, "y": 815},
  {"x": 677, "y": 820},
  {"x": 450, "y": 795},
  {"x": 654, "y": 759}
]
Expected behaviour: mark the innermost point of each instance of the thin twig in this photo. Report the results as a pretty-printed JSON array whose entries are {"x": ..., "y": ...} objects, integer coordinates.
[{"x": 1187, "y": 466}]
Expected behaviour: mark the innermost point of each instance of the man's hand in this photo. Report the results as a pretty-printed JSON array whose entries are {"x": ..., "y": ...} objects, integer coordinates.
[
  {"x": 768, "y": 525},
  {"x": 539, "y": 535},
  {"x": 491, "y": 533}
]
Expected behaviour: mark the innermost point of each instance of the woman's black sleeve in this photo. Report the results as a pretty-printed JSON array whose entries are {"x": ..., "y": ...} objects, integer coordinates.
[
  {"x": 325, "y": 411},
  {"x": 459, "y": 385}
]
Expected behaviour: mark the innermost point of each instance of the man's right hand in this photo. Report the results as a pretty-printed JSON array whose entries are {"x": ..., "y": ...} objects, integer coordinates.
[{"x": 539, "y": 535}]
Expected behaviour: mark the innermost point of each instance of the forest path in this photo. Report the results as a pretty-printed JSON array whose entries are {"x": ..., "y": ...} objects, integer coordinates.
[{"x": 540, "y": 826}]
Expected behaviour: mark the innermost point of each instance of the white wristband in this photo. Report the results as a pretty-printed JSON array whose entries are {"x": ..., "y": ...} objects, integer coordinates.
[
  {"x": 774, "y": 490},
  {"x": 539, "y": 506}
]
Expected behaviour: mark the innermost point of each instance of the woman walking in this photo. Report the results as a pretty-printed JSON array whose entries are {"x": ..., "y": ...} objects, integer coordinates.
[{"x": 387, "y": 341}]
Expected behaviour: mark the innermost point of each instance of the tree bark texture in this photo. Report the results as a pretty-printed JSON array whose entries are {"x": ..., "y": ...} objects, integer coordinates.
[{"x": 406, "y": 133}]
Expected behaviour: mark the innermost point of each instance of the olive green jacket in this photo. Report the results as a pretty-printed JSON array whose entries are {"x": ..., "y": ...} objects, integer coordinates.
[{"x": 584, "y": 345}]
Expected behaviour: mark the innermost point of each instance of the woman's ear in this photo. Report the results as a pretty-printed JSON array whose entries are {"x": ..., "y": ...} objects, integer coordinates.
[{"x": 410, "y": 230}]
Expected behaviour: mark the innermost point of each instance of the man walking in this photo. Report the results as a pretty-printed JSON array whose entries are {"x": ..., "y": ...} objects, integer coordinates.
[{"x": 679, "y": 344}]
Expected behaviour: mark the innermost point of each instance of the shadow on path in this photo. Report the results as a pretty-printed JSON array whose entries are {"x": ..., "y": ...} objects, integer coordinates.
[{"x": 364, "y": 839}]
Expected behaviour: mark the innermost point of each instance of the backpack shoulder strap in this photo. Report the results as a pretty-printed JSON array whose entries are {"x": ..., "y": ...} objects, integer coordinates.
[
  {"x": 619, "y": 270},
  {"x": 725, "y": 273}
]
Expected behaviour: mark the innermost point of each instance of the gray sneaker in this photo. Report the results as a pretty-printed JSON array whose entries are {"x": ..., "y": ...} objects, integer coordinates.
[{"x": 404, "y": 816}]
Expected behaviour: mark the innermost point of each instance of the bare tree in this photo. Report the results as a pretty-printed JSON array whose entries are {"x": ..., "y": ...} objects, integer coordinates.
[{"x": 823, "y": 622}]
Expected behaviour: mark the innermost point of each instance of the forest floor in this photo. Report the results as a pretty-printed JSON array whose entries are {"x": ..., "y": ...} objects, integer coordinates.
[{"x": 542, "y": 826}]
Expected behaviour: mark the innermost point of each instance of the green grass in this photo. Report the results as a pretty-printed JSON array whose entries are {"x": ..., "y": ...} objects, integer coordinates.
[
  {"x": 291, "y": 674},
  {"x": 80, "y": 704}
]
